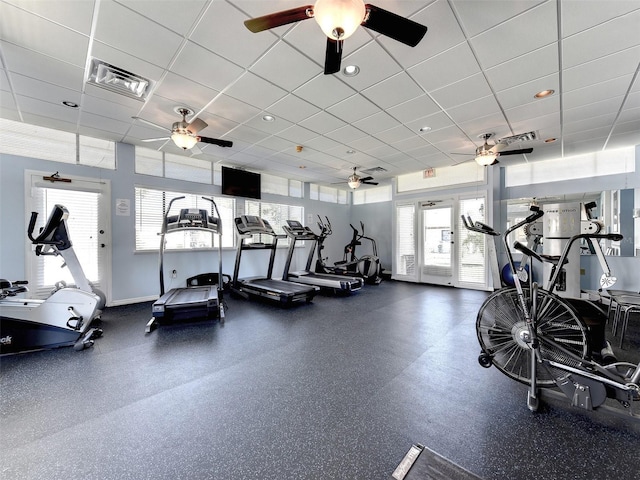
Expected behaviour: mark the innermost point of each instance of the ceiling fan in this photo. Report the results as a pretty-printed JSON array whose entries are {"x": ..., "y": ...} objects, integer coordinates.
[
  {"x": 354, "y": 180},
  {"x": 183, "y": 133},
  {"x": 487, "y": 155},
  {"x": 338, "y": 19}
]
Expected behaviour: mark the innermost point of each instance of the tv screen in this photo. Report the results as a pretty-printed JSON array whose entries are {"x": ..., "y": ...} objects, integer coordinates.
[{"x": 240, "y": 183}]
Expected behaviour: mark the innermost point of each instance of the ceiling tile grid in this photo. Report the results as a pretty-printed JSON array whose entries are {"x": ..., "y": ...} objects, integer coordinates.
[{"x": 476, "y": 71}]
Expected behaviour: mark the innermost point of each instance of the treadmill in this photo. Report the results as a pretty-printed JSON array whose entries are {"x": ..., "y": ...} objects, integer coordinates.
[
  {"x": 326, "y": 281},
  {"x": 286, "y": 293},
  {"x": 200, "y": 302}
]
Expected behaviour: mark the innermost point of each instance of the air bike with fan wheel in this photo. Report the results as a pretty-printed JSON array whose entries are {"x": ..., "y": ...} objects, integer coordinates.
[
  {"x": 192, "y": 303},
  {"x": 540, "y": 339},
  {"x": 65, "y": 318}
]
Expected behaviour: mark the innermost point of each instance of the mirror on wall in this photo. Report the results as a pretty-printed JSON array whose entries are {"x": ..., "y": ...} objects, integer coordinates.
[{"x": 618, "y": 209}]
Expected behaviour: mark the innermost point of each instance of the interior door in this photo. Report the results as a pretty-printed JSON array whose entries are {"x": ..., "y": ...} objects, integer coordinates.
[{"x": 438, "y": 242}]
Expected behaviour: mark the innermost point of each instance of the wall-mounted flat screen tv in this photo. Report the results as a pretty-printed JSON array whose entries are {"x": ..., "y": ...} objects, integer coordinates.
[{"x": 240, "y": 183}]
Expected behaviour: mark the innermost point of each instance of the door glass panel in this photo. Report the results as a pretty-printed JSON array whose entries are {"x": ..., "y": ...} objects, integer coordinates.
[
  {"x": 471, "y": 253},
  {"x": 405, "y": 241},
  {"x": 437, "y": 242}
]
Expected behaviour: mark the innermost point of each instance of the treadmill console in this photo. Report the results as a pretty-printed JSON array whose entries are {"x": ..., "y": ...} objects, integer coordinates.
[
  {"x": 192, "y": 218},
  {"x": 253, "y": 225},
  {"x": 295, "y": 228}
]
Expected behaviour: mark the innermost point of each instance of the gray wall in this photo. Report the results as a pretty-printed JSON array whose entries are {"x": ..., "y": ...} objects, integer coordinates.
[{"x": 135, "y": 275}]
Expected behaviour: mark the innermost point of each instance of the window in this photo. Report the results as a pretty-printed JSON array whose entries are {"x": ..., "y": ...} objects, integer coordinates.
[
  {"x": 607, "y": 162},
  {"x": 276, "y": 214},
  {"x": 472, "y": 247},
  {"x": 327, "y": 194},
  {"x": 372, "y": 195},
  {"x": 17, "y": 138},
  {"x": 405, "y": 241},
  {"x": 280, "y": 186},
  {"x": 468, "y": 173},
  {"x": 150, "y": 210}
]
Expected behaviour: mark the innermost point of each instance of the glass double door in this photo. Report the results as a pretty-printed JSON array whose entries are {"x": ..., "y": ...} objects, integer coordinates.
[{"x": 434, "y": 247}]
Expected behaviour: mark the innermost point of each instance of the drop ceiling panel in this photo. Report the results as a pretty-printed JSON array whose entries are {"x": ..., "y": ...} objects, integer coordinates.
[
  {"x": 199, "y": 52},
  {"x": 293, "y": 109},
  {"x": 276, "y": 67},
  {"x": 477, "y": 18},
  {"x": 419, "y": 107},
  {"x": 179, "y": 20},
  {"x": 216, "y": 39},
  {"x": 602, "y": 40},
  {"x": 443, "y": 33},
  {"x": 232, "y": 109},
  {"x": 130, "y": 32},
  {"x": 393, "y": 91},
  {"x": 522, "y": 69},
  {"x": 184, "y": 92},
  {"x": 74, "y": 15},
  {"x": 44, "y": 91},
  {"x": 36, "y": 65},
  {"x": 207, "y": 68},
  {"x": 43, "y": 36},
  {"x": 462, "y": 92},
  {"x": 528, "y": 31},
  {"x": 602, "y": 69},
  {"x": 324, "y": 91},
  {"x": 447, "y": 68},
  {"x": 255, "y": 91},
  {"x": 575, "y": 17}
]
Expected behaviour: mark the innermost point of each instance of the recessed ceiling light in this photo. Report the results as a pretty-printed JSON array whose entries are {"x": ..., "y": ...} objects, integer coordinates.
[
  {"x": 302, "y": 166},
  {"x": 351, "y": 70},
  {"x": 69, "y": 104},
  {"x": 425, "y": 129},
  {"x": 351, "y": 152},
  {"x": 544, "y": 93},
  {"x": 269, "y": 118},
  {"x": 550, "y": 140}
]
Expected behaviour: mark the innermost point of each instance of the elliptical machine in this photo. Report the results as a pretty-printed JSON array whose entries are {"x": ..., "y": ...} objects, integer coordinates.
[
  {"x": 63, "y": 319},
  {"x": 367, "y": 266}
]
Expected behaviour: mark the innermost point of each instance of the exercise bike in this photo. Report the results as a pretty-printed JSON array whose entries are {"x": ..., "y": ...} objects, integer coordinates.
[
  {"x": 367, "y": 266},
  {"x": 538, "y": 338},
  {"x": 66, "y": 316}
]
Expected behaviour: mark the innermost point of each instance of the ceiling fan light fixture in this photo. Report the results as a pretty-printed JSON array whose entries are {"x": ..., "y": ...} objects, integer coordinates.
[
  {"x": 353, "y": 181},
  {"x": 184, "y": 140},
  {"x": 339, "y": 19},
  {"x": 485, "y": 158}
]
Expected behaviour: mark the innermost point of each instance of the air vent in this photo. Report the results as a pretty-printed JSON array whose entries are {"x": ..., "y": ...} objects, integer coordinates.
[
  {"x": 523, "y": 137},
  {"x": 374, "y": 170},
  {"x": 118, "y": 80}
]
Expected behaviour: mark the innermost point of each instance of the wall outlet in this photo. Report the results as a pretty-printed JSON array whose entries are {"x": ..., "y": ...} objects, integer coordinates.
[{"x": 174, "y": 274}]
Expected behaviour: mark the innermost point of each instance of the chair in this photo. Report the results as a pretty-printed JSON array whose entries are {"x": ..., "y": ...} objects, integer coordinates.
[
  {"x": 613, "y": 306},
  {"x": 626, "y": 304}
]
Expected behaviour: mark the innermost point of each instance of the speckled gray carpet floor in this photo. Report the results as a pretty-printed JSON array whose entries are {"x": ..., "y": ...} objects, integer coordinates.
[{"x": 337, "y": 389}]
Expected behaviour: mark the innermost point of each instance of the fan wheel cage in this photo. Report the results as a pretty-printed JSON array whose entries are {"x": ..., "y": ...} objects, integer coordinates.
[{"x": 501, "y": 323}]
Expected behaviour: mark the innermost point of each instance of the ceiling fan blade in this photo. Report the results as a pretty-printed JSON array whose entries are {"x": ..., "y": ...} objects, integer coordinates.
[
  {"x": 278, "y": 19},
  {"x": 196, "y": 125},
  {"x": 151, "y": 123},
  {"x": 155, "y": 139},
  {"x": 216, "y": 141},
  {"x": 394, "y": 26},
  {"x": 333, "y": 56},
  {"x": 369, "y": 183},
  {"x": 516, "y": 152},
  {"x": 366, "y": 179}
]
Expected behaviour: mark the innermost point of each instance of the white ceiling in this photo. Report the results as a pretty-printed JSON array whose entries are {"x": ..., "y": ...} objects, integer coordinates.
[{"x": 476, "y": 70}]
